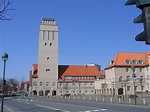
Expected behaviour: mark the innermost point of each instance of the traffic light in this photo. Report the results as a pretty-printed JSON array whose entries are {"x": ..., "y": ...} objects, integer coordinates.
[{"x": 144, "y": 18}]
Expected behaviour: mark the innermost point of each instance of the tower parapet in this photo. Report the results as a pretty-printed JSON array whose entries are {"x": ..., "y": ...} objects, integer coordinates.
[{"x": 49, "y": 21}]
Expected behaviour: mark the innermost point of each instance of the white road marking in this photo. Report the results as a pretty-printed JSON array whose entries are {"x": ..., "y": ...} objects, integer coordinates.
[
  {"x": 103, "y": 109},
  {"x": 26, "y": 102},
  {"x": 51, "y": 108},
  {"x": 95, "y": 110},
  {"x": 18, "y": 101}
]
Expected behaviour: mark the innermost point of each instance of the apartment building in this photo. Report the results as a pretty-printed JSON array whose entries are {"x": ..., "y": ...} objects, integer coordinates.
[
  {"x": 78, "y": 79},
  {"x": 119, "y": 74},
  {"x": 72, "y": 79}
]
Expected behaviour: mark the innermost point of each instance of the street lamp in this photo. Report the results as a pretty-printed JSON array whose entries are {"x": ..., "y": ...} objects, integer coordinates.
[
  {"x": 134, "y": 76},
  {"x": 4, "y": 58}
]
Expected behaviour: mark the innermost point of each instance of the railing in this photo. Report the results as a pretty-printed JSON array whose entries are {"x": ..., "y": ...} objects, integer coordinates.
[{"x": 143, "y": 101}]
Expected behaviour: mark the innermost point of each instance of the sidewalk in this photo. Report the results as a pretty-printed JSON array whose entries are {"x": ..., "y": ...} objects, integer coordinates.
[
  {"x": 6, "y": 109},
  {"x": 141, "y": 101}
]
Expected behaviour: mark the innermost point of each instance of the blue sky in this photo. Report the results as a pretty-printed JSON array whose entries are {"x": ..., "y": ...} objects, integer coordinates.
[{"x": 90, "y": 31}]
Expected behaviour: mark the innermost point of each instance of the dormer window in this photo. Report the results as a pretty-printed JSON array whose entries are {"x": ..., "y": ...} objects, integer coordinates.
[
  {"x": 111, "y": 62},
  {"x": 141, "y": 61},
  {"x": 128, "y": 61},
  {"x": 135, "y": 61}
]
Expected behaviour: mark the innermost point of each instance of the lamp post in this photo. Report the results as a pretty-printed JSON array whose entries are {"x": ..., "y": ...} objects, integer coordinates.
[
  {"x": 4, "y": 58},
  {"x": 134, "y": 76}
]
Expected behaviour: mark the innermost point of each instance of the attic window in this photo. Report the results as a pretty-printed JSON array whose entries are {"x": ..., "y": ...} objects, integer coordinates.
[
  {"x": 135, "y": 61},
  {"x": 141, "y": 61},
  {"x": 111, "y": 62},
  {"x": 128, "y": 61}
]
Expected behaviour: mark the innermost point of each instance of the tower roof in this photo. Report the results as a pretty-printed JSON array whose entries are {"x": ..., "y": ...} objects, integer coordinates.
[{"x": 48, "y": 19}]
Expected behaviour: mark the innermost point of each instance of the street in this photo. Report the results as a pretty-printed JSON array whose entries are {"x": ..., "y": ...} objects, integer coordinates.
[{"x": 62, "y": 105}]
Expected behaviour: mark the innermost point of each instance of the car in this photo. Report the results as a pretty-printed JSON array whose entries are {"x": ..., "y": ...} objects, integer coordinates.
[{"x": 13, "y": 94}]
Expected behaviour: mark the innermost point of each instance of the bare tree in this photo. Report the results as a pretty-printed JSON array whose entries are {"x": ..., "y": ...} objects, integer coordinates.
[{"x": 5, "y": 6}]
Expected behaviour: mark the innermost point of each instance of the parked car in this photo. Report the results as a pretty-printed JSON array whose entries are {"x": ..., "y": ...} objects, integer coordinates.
[{"x": 13, "y": 94}]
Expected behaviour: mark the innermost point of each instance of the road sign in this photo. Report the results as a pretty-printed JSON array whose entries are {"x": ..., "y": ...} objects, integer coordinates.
[{"x": 134, "y": 75}]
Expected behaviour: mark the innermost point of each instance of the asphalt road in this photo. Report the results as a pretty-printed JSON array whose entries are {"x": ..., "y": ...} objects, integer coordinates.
[{"x": 61, "y": 105}]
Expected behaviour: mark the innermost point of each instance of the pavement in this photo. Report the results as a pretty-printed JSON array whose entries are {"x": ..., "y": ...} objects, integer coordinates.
[
  {"x": 6, "y": 109},
  {"x": 90, "y": 98},
  {"x": 140, "y": 101}
]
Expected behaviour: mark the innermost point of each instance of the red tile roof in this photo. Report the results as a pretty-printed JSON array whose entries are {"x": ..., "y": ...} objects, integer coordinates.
[
  {"x": 35, "y": 71},
  {"x": 121, "y": 58},
  {"x": 28, "y": 82},
  {"x": 74, "y": 70}
]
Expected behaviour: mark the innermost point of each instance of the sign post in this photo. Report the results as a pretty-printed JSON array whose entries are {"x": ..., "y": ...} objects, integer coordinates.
[{"x": 134, "y": 79}]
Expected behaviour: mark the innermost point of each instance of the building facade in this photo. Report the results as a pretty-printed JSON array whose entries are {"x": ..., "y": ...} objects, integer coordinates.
[
  {"x": 76, "y": 80},
  {"x": 49, "y": 78},
  {"x": 46, "y": 82},
  {"x": 119, "y": 74}
]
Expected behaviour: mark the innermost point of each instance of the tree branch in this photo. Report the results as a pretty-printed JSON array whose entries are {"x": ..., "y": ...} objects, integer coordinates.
[{"x": 4, "y": 8}]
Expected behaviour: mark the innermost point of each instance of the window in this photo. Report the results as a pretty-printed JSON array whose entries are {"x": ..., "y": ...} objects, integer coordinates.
[
  {"x": 60, "y": 84},
  {"x": 40, "y": 83},
  {"x": 85, "y": 83},
  {"x": 135, "y": 61},
  {"x": 67, "y": 84},
  {"x": 47, "y": 58},
  {"x": 147, "y": 69},
  {"x": 53, "y": 83},
  {"x": 141, "y": 61},
  {"x": 127, "y": 78},
  {"x": 128, "y": 88},
  {"x": 111, "y": 62},
  {"x": 120, "y": 79},
  {"x": 141, "y": 78},
  {"x": 91, "y": 83},
  {"x": 73, "y": 83},
  {"x": 45, "y": 44},
  {"x": 34, "y": 84},
  {"x": 50, "y": 44},
  {"x": 47, "y": 83},
  {"x": 142, "y": 88},
  {"x": 147, "y": 77},
  {"x": 79, "y": 83},
  {"x": 135, "y": 87},
  {"x": 47, "y": 69},
  {"x": 127, "y": 69},
  {"x": 128, "y": 61},
  {"x": 141, "y": 69}
]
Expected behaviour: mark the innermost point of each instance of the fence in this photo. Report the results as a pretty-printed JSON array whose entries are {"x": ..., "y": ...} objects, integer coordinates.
[{"x": 143, "y": 101}]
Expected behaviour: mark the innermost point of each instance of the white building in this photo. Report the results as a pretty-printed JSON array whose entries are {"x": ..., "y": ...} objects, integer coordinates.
[{"x": 119, "y": 79}]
